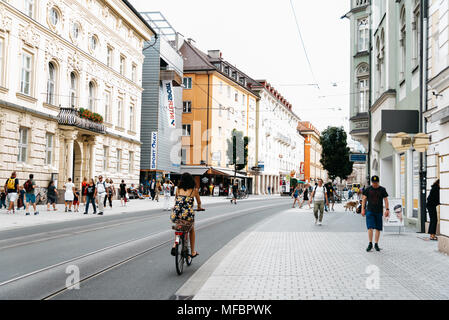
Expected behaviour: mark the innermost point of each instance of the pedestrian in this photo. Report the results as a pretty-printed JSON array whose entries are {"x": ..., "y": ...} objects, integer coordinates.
[
  {"x": 374, "y": 195},
  {"x": 295, "y": 195},
  {"x": 101, "y": 194},
  {"x": 433, "y": 200},
  {"x": 91, "y": 194},
  {"x": 167, "y": 193},
  {"x": 109, "y": 192},
  {"x": 153, "y": 189},
  {"x": 331, "y": 195},
  {"x": 52, "y": 193},
  {"x": 84, "y": 185},
  {"x": 123, "y": 193},
  {"x": 235, "y": 191},
  {"x": 21, "y": 201},
  {"x": 112, "y": 192},
  {"x": 319, "y": 196},
  {"x": 12, "y": 190},
  {"x": 158, "y": 190},
  {"x": 2, "y": 198},
  {"x": 76, "y": 200},
  {"x": 69, "y": 194},
  {"x": 305, "y": 196},
  {"x": 30, "y": 197}
]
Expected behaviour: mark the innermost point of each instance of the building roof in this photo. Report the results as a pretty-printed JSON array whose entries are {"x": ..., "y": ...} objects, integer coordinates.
[
  {"x": 196, "y": 60},
  {"x": 306, "y": 127},
  {"x": 129, "y": 5}
]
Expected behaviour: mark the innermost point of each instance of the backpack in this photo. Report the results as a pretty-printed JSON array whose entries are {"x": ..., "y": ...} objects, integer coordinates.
[
  {"x": 28, "y": 186},
  {"x": 11, "y": 184}
]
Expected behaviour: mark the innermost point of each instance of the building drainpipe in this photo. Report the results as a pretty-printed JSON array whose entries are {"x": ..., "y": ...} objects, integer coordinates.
[
  {"x": 422, "y": 108},
  {"x": 370, "y": 97},
  {"x": 207, "y": 126}
]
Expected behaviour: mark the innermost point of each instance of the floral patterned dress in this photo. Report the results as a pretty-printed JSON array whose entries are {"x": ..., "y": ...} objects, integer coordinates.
[{"x": 183, "y": 209}]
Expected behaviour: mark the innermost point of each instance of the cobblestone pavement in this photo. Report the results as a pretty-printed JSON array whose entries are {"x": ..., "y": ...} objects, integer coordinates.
[{"x": 288, "y": 257}]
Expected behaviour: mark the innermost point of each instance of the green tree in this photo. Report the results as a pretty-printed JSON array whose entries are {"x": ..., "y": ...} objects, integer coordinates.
[
  {"x": 238, "y": 150},
  {"x": 335, "y": 153}
]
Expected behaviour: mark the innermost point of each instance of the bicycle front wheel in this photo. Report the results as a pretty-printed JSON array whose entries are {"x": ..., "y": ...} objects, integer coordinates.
[{"x": 179, "y": 259}]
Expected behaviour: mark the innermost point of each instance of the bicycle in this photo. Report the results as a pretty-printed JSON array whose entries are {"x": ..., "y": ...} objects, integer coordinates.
[
  {"x": 182, "y": 256},
  {"x": 242, "y": 195},
  {"x": 41, "y": 196}
]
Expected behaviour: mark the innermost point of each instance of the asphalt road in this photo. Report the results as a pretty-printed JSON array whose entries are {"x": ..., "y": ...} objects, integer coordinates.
[{"x": 120, "y": 257}]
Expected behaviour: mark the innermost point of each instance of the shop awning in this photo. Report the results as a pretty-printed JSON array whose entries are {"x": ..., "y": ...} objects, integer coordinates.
[
  {"x": 194, "y": 171},
  {"x": 229, "y": 172}
]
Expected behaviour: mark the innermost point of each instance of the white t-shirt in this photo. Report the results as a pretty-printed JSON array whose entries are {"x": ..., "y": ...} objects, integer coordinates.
[
  {"x": 69, "y": 191},
  {"x": 101, "y": 187},
  {"x": 167, "y": 189},
  {"x": 319, "y": 193}
]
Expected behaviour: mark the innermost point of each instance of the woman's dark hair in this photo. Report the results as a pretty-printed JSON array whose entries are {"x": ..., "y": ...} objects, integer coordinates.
[
  {"x": 186, "y": 182},
  {"x": 436, "y": 183},
  {"x": 50, "y": 183}
]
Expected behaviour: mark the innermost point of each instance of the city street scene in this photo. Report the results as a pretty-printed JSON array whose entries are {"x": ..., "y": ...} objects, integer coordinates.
[{"x": 206, "y": 151}]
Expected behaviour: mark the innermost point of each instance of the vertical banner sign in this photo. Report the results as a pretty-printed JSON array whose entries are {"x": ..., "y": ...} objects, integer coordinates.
[
  {"x": 402, "y": 159},
  {"x": 153, "y": 154},
  {"x": 169, "y": 103}
]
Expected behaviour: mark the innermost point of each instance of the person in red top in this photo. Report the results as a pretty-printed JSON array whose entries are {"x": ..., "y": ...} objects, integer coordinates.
[{"x": 84, "y": 185}]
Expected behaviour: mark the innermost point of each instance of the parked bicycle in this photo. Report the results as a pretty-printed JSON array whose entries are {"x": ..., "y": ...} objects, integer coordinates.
[
  {"x": 41, "y": 196},
  {"x": 182, "y": 229},
  {"x": 242, "y": 195}
]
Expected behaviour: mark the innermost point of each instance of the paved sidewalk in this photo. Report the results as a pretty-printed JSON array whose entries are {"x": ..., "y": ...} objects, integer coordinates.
[
  {"x": 19, "y": 219},
  {"x": 289, "y": 257}
]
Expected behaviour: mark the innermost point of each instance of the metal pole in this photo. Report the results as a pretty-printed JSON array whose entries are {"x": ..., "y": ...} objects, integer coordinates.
[{"x": 370, "y": 97}]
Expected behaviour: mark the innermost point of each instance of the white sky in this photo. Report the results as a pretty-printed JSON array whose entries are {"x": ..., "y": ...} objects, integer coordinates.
[{"x": 260, "y": 37}]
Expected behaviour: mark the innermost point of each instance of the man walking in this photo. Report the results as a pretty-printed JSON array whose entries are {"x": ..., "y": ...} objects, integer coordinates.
[
  {"x": 153, "y": 189},
  {"x": 330, "y": 195},
  {"x": 167, "y": 193},
  {"x": 374, "y": 195},
  {"x": 319, "y": 197},
  {"x": 30, "y": 197},
  {"x": 101, "y": 194},
  {"x": 12, "y": 189}
]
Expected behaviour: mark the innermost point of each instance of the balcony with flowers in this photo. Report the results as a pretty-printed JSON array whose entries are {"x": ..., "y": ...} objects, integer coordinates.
[{"x": 81, "y": 118}]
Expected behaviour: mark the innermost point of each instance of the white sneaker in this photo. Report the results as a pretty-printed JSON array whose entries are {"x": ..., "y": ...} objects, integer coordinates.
[{"x": 319, "y": 223}]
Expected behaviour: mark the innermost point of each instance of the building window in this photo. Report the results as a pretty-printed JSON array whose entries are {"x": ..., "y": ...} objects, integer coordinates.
[
  {"x": 54, "y": 16},
  {"x": 220, "y": 110},
  {"x": 134, "y": 73},
  {"x": 122, "y": 65},
  {"x": 363, "y": 35},
  {"x": 105, "y": 158},
  {"x": 363, "y": 88},
  {"x": 23, "y": 145},
  {"x": 107, "y": 106},
  {"x": 131, "y": 117},
  {"x": 402, "y": 44},
  {"x": 75, "y": 30},
  {"x": 2, "y": 62},
  {"x": 73, "y": 89},
  {"x": 187, "y": 83},
  {"x": 131, "y": 162},
  {"x": 187, "y": 106},
  {"x": 119, "y": 112},
  {"x": 183, "y": 156},
  {"x": 25, "y": 83},
  {"x": 186, "y": 130},
  {"x": 229, "y": 91},
  {"x": 236, "y": 97},
  {"x": 220, "y": 131},
  {"x": 118, "y": 160},
  {"x": 221, "y": 87},
  {"x": 51, "y": 83},
  {"x": 91, "y": 99},
  {"x": 48, "y": 148},
  {"x": 416, "y": 35},
  {"x": 29, "y": 8},
  {"x": 243, "y": 100},
  {"x": 93, "y": 43},
  {"x": 109, "y": 57}
]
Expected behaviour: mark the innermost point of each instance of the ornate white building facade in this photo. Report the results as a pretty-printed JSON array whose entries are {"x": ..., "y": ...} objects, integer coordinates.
[
  {"x": 55, "y": 58},
  {"x": 279, "y": 146}
]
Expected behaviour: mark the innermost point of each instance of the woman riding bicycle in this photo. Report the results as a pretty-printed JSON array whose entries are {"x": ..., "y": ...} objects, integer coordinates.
[{"x": 183, "y": 209}]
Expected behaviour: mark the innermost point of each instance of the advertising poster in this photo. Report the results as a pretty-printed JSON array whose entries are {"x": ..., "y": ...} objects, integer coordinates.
[
  {"x": 396, "y": 218},
  {"x": 169, "y": 102},
  {"x": 153, "y": 152}
]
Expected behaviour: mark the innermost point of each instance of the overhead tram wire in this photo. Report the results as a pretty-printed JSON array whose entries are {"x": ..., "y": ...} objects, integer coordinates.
[{"x": 303, "y": 45}]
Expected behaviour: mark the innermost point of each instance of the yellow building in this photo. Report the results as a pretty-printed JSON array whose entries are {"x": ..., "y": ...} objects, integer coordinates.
[{"x": 217, "y": 98}]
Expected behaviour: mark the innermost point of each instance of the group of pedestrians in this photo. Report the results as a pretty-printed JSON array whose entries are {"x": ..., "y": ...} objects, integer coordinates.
[{"x": 23, "y": 194}]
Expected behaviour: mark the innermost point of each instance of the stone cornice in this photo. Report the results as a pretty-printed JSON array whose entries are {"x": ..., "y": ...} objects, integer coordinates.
[
  {"x": 390, "y": 93},
  {"x": 440, "y": 81}
]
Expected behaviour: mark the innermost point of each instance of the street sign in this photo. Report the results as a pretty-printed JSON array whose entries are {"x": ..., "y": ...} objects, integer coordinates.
[{"x": 358, "y": 157}]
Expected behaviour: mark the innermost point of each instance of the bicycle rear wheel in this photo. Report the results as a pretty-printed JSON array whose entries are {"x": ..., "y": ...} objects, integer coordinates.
[
  {"x": 179, "y": 258},
  {"x": 188, "y": 258}
]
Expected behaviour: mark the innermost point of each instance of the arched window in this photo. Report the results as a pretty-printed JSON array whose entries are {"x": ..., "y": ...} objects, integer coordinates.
[
  {"x": 402, "y": 42},
  {"x": 363, "y": 88},
  {"x": 91, "y": 102},
  {"x": 73, "y": 89},
  {"x": 51, "y": 83}
]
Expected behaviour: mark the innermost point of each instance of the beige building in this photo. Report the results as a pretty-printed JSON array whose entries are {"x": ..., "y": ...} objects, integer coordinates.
[{"x": 55, "y": 58}]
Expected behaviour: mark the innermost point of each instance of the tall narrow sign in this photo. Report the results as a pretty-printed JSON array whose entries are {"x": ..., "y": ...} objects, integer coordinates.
[
  {"x": 169, "y": 102},
  {"x": 153, "y": 154}
]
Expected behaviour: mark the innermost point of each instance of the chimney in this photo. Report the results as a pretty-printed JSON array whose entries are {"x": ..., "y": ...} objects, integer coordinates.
[{"x": 214, "y": 54}]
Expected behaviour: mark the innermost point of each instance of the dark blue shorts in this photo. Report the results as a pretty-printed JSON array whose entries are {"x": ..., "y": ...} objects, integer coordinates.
[{"x": 374, "y": 220}]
